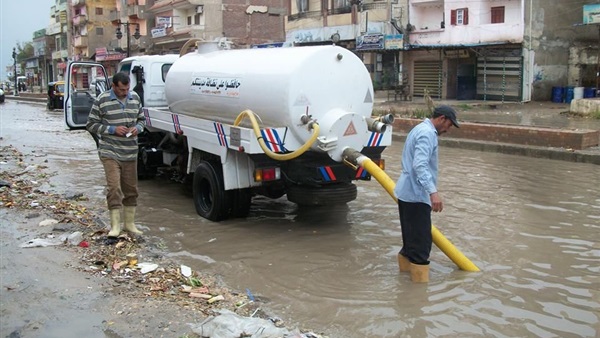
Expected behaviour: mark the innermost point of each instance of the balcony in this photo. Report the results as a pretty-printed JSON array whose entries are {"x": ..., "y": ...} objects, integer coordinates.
[
  {"x": 426, "y": 2},
  {"x": 80, "y": 41},
  {"x": 79, "y": 20},
  {"x": 302, "y": 15},
  {"x": 136, "y": 11},
  {"x": 114, "y": 15}
]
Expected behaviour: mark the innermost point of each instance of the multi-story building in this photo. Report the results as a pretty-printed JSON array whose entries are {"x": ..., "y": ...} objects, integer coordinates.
[
  {"x": 57, "y": 30},
  {"x": 90, "y": 27},
  {"x": 512, "y": 50},
  {"x": 177, "y": 21},
  {"x": 40, "y": 61}
]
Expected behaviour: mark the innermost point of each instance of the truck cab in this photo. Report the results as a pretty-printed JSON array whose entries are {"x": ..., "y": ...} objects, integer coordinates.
[{"x": 147, "y": 74}]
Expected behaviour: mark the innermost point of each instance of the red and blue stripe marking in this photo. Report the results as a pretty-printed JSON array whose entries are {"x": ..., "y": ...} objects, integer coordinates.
[
  {"x": 375, "y": 139},
  {"x": 176, "y": 124},
  {"x": 272, "y": 140},
  {"x": 221, "y": 134},
  {"x": 327, "y": 174},
  {"x": 361, "y": 173},
  {"x": 147, "y": 116}
]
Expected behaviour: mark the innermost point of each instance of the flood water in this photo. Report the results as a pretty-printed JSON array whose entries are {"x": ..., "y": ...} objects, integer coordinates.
[{"x": 531, "y": 225}]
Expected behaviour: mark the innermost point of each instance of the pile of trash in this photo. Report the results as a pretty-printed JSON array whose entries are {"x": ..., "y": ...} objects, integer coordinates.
[{"x": 136, "y": 266}]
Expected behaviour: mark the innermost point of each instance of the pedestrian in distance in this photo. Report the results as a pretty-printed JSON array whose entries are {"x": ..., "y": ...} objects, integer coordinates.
[
  {"x": 417, "y": 193},
  {"x": 117, "y": 118}
]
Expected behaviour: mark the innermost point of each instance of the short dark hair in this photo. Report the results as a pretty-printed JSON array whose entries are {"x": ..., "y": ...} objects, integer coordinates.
[{"x": 121, "y": 77}]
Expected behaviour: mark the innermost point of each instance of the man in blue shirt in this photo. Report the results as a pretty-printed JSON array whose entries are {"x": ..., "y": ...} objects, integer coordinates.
[{"x": 417, "y": 194}]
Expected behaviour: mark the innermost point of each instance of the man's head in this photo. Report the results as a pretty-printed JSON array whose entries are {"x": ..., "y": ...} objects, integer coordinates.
[
  {"x": 443, "y": 118},
  {"x": 121, "y": 84}
]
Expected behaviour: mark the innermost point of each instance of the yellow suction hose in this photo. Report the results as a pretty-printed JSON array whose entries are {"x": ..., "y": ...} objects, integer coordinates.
[
  {"x": 440, "y": 241},
  {"x": 279, "y": 157}
]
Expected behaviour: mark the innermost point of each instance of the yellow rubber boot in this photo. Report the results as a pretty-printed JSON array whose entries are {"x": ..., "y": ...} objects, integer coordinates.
[
  {"x": 115, "y": 223},
  {"x": 419, "y": 273},
  {"x": 129, "y": 214},
  {"x": 403, "y": 263}
]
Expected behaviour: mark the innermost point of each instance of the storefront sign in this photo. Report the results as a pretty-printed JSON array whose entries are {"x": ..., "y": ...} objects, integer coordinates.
[
  {"x": 158, "y": 32},
  {"x": 591, "y": 14},
  {"x": 369, "y": 42},
  {"x": 395, "y": 41}
]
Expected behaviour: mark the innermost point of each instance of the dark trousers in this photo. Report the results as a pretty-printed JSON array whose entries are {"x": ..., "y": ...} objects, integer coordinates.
[{"x": 415, "y": 220}]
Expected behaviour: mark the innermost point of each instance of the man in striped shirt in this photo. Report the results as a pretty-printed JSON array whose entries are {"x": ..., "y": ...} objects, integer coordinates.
[{"x": 117, "y": 118}]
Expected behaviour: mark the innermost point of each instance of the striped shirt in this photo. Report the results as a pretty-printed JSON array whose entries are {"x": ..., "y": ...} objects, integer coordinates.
[{"x": 107, "y": 113}]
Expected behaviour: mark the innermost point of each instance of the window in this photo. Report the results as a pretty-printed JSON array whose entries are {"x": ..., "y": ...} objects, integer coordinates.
[
  {"x": 498, "y": 14},
  {"x": 302, "y": 6},
  {"x": 459, "y": 17},
  {"x": 189, "y": 20},
  {"x": 197, "y": 19},
  {"x": 98, "y": 10},
  {"x": 99, "y": 31}
]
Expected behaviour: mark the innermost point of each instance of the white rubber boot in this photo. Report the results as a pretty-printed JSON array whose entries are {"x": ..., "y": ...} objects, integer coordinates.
[
  {"x": 129, "y": 214},
  {"x": 115, "y": 223}
]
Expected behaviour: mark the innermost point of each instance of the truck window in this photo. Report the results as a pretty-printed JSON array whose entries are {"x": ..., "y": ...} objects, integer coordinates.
[
  {"x": 165, "y": 69},
  {"x": 126, "y": 67}
]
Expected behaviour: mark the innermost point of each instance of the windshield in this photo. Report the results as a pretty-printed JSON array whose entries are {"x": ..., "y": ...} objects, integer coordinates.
[{"x": 60, "y": 88}]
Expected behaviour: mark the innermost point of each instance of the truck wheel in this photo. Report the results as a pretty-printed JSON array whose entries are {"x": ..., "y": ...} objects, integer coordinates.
[
  {"x": 339, "y": 193},
  {"x": 209, "y": 195},
  {"x": 241, "y": 200}
]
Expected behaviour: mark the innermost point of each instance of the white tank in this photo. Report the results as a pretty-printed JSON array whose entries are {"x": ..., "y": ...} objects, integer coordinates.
[{"x": 279, "y": 85}]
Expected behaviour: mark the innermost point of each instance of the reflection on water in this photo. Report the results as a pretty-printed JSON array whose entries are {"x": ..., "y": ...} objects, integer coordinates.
[{"x": 530, "y": 224}]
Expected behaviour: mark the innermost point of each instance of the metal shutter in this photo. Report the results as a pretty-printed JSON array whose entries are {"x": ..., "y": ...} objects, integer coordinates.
[
  {"x": 500, "y": 78},
  {"x": 428, "y": 74}
]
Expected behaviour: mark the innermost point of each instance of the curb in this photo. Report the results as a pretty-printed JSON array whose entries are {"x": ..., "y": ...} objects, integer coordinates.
[{"x": 579, "y": 156}]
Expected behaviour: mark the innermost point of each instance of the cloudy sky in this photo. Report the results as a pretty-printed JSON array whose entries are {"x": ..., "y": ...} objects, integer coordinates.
[{"x": 18, "y": 20}]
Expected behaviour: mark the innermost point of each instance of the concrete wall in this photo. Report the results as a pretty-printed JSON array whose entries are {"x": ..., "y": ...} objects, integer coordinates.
[{"x": 550, "y": 32}]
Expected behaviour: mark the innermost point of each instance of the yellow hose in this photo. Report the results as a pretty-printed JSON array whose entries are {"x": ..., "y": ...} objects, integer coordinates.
[
  {"x": 280, "y": 157},
  {"x": 440, "y": 241}
]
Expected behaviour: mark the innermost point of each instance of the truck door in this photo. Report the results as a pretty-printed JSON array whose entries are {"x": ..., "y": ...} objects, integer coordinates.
[{"x": 81, "y": 89}]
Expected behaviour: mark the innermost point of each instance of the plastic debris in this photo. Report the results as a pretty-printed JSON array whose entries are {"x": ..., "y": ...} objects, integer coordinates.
[
  {"x": 41, "y": 242},
  {"x": 75, "y": 238},
  {"x": 84, "y": 244},
  {"x": 48, "y": 222},
  {"x": 147, "y": 267},
  {"x": 186, "y": 271},
  {"x": 216, "y": 299},
  {"x": 229, "y": 324}
]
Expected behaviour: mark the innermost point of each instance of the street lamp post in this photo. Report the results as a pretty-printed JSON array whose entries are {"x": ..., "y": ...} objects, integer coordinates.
[
  {"x": 136, "y": 34},
  {"x": 14, "y": 55}
]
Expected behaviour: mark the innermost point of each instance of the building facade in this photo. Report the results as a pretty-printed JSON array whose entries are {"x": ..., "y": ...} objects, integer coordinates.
[{"x": 509, "y": 50}]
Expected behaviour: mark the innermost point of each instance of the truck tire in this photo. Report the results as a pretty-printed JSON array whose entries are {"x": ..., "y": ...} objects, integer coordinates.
[
  {"x": 209, "y": 195},
  {"x": 240, "y": 202},
  {"x": 333, "y": 194}
]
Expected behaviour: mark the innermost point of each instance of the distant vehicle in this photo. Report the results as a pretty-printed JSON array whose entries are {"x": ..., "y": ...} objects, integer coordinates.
[
  {"x": 56, "y": 94},
  {"x": 1, "y": 96}
]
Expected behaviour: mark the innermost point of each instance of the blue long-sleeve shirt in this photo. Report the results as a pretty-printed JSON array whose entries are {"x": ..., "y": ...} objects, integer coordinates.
[{"x": 418, "y": 178}]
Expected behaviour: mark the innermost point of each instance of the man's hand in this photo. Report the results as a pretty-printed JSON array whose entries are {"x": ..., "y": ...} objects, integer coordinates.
[
  {"x": 124, "y": 131},
  {"x": 132, "y": 131},
  {"x": 121, "y": 130},
  {"x": 436, "y": 202}
]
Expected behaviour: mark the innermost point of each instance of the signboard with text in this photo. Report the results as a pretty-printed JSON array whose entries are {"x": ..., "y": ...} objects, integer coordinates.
[
  {"x": 369, "y": 42},
  {"x": 591, "y": 14}
]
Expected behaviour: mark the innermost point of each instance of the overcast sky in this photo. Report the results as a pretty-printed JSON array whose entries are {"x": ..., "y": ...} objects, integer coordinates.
[{"x": 18, "y": 20}]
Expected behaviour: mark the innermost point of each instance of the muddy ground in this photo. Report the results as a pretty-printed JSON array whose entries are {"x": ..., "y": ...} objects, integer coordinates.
[{"x": 85, "y": 286}]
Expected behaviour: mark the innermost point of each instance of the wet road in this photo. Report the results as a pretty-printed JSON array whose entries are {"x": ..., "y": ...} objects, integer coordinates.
[{"x": 532, "y": 226}]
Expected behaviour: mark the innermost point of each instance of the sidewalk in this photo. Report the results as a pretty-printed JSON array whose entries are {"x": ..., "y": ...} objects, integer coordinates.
[{"x": 524, "y": 115}]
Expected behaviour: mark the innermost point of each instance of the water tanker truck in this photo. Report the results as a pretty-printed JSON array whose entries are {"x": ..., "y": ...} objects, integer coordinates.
[{"x": 240, "y": 123}]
